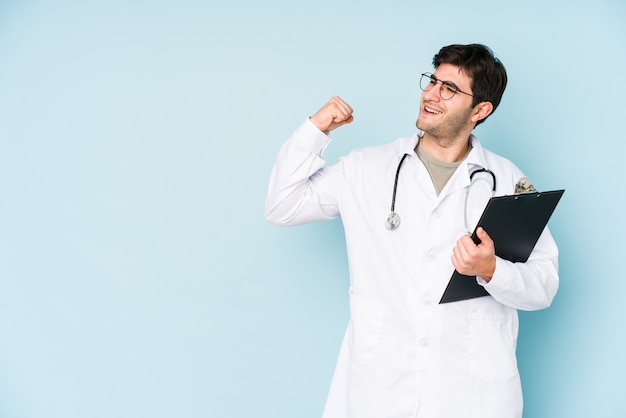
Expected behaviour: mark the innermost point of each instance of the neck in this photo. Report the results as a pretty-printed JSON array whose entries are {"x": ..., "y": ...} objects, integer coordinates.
[{"x": 450, "y": 151}]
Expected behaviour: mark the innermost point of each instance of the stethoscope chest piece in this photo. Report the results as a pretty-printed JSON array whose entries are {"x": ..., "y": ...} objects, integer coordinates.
[{"x": 393, "y": 221}]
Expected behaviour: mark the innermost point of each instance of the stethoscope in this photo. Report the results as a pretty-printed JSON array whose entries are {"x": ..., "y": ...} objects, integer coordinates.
[{"x": 393, "y": 219}]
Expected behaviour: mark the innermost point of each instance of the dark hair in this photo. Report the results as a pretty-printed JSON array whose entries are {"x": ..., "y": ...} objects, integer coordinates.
[{"x": 487, "y": 73}]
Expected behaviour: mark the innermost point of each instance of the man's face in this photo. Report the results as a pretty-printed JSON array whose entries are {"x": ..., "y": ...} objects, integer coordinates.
[{"x": 446, "y": 118}]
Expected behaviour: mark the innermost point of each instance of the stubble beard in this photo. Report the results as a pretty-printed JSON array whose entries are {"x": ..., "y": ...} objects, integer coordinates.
[{"x": 447, "y": 127}]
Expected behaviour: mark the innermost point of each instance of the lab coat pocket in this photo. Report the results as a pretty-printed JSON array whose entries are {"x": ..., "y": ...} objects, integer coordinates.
[
  {"x": 366, "y": 321},
  {"x": 492, "y": 343}
]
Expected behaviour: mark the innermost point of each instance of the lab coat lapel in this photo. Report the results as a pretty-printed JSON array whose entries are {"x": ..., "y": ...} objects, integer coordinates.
[
  {"x": 480, "y": 189},
  {"x": 476, "y": 194}
]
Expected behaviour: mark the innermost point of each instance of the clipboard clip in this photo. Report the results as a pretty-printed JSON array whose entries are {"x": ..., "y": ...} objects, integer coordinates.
[{"x": 524, "y": 185}]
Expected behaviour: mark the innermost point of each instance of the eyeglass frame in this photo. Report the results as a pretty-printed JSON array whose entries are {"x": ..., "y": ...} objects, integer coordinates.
[{"x": 448, "y": 84}]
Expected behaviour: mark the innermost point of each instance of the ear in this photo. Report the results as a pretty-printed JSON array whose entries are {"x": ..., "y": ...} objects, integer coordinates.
[{"x": 481, "y": 111}]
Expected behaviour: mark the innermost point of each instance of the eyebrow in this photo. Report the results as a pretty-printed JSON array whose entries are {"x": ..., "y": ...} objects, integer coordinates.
[{"x": 449, "y": 83}]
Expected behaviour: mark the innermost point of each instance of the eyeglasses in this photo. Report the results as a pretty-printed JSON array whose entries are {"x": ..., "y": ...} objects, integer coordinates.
[{"x": 447, "y": 89}]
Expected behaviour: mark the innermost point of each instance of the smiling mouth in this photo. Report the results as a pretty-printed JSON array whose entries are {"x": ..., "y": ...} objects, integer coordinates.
[{"x": 432, "y": 111}]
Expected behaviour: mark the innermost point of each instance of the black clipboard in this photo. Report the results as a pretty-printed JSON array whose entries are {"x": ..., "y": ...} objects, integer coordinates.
[{"x": 514, "y": 223}]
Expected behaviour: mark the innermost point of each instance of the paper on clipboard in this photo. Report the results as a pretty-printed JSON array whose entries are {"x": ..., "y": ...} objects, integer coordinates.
[{"x": 514, "y": 223}]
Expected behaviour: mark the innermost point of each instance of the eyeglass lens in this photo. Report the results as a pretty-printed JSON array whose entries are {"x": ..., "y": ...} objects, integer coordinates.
[{"x": 446, "y": 91}]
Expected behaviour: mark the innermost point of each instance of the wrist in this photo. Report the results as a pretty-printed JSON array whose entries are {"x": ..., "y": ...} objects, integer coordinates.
[
  {"x": 318, "y": 125},
  {"x": 489, "y": 271}
]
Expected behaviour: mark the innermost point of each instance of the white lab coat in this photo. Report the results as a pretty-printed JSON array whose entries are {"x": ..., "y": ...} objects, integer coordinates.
[{"x": 404, "y": 354}]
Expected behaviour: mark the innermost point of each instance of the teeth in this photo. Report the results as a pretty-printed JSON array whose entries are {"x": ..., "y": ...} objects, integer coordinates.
[{"x": 430, "y": 110}]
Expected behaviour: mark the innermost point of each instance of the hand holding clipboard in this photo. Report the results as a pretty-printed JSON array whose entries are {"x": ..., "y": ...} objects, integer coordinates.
[{"x": 514, "y": 223}]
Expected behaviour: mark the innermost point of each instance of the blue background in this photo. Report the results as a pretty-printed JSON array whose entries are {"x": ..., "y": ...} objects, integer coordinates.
[{"x": 138, "y": 277}]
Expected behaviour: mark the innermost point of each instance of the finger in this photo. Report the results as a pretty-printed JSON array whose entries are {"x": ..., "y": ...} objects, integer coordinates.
[
  {"x": 486, "y": 243},
  {"x": 457, "y": 259},
  {"x": 341, "y": 118},
  {"x": 332, "y": 115},
  {"x": 459, "y": 252},
  {"x": 343, "y": 110},
  {"x": 462, "y": 252},
  {"x": 349, "y": 120},
  {"x": 466, "y": 242},
  {"x": 341, "y": 103},
  {"x": 484, "y": 237}
]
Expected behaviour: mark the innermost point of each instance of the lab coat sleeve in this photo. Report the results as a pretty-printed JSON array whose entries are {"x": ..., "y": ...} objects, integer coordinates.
[
  {"x": 301, "y": 188},
  {"x": 531, "y": 285}
]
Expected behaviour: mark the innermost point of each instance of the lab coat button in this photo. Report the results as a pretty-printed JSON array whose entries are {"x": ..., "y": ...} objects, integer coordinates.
[
  {"x": 431, "y": 255},
  {"x": 423, "y": 342}
]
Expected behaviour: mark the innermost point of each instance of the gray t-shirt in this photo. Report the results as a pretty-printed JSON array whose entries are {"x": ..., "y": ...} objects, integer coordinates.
[{"x": 440, "y": 171}]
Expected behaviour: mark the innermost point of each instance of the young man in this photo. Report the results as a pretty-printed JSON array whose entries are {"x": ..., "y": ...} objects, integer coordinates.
[{"x": 404, "y": 354}]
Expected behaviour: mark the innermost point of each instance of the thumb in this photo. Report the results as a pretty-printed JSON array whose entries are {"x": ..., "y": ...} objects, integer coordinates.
[
  {"x": 483, "y": 236},
  {"x": 339, "y": 121}
]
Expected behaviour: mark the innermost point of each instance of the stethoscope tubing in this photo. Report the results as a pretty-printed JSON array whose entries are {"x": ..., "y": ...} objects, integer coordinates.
[
  {"x": 393, "y": 219},
  {"x": 395, "y": 183}
]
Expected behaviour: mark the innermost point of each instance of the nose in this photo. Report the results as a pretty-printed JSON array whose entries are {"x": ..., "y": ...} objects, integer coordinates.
[{"x": 432, "y": 93}]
